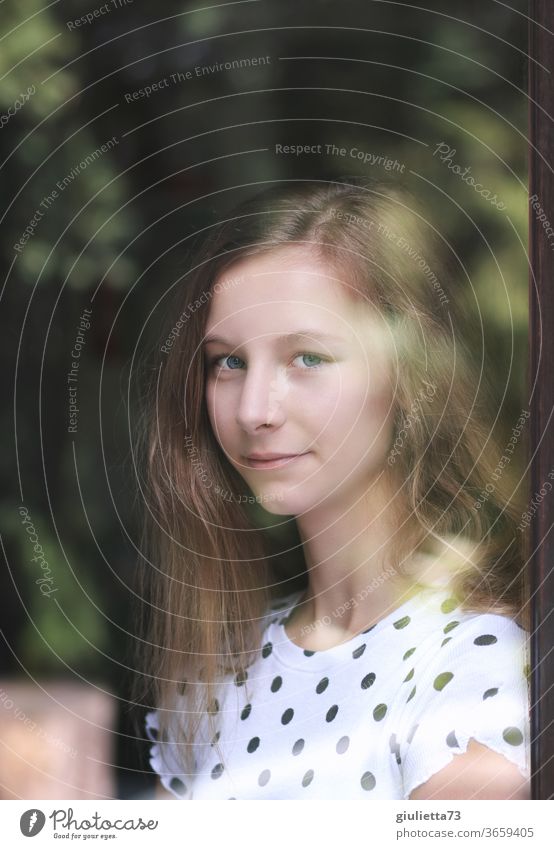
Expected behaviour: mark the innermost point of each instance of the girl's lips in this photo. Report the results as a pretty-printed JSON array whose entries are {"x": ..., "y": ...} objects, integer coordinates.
[{"x": 273, "y": 464}]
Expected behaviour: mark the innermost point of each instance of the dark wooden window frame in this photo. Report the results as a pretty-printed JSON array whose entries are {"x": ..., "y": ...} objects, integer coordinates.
[{"x": 541, "y": 388}]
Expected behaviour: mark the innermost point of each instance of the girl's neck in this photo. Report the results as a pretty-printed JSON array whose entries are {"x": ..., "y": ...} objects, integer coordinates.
[{"x": 348, "y": 550}]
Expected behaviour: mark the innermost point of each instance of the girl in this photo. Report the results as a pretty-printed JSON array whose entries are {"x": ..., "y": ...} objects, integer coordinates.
[{"x": 333, "y": 602}]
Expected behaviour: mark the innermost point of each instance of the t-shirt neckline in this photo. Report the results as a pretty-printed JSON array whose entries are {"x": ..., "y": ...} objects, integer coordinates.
[{"x": 292, "y": 655}]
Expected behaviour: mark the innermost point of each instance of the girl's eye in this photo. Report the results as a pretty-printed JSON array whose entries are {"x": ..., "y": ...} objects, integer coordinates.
[
  {"x": 310, "y": 357},
  {"x": 234, "y": 363},
  {"x": 230, "y": 358}
]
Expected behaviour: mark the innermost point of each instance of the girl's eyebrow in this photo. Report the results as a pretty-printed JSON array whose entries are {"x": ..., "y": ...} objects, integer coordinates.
[{"x": 285, "y": 337}]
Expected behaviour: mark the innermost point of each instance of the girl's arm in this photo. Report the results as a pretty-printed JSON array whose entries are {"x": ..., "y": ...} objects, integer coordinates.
[{"x": 478, "y": 773}]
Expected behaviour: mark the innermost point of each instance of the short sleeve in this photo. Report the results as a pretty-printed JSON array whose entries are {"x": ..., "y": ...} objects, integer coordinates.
[
  {"x": 472, "y": 685},
  {"x": 164, "y": 760}
]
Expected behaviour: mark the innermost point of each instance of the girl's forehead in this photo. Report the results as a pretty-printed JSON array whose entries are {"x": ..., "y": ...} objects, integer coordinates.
[
  {"x": 288, "y": 289},
  {"x": 296, "y": 277}
]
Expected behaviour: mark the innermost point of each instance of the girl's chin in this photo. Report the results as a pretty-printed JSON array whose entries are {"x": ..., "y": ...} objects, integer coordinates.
[
  {"x": 283, "y": 503},
  {"x": 272, "y": 500},
  {"x": 278, "y": 506}
]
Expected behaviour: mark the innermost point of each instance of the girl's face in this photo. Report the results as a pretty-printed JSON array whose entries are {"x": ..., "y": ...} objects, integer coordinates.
[{"x": 298, "y": 384}]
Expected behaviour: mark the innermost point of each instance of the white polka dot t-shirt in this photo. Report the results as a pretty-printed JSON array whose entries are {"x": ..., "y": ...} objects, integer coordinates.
[{"x": 371, "y": 718}]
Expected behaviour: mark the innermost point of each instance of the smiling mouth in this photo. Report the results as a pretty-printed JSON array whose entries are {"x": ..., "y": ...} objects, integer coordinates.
[{"x": 275, "y": 463}]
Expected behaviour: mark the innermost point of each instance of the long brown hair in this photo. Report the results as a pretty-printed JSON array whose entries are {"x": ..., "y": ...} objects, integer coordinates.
[{"x": 214, "y": 559}]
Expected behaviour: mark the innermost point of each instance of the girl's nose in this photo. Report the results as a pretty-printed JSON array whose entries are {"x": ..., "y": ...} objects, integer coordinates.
[{"x": 262, "y": 398}]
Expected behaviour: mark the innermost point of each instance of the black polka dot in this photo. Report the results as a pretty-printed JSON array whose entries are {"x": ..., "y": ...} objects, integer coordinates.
[
  {"x": 343, "y": 745},
  {"x": 410, "y": 675},
  {"x": 449, "y": 605},
  {"x": 287, "y": 716},
  {"x": 308, "y": 652},
  {"x": 412, "y": 694},
  {"x": 322, "y": 686},
  {"x": 485, "y": 640},
  {"x": 379, "y": 712},
  {"x": 241, "y": 677},
  {"x": 368, "y": 781},
  {"x": 246, "y": 711},
  {"x": 367, "y": 630},
  {"x": 298, "y": 746},
  {"x": 488, "y": 693},
  {"x": 216, "y": 737},
  {"x": 409, "y": 653},
  {"x": 213, "y": 707},
  {"x": 452, "y": 741},
  {"x": 253, "y": 745},
  {"x": 264, "y": 777},
  {"x": 445, "y": 641},
  {"x": 276, "y": 683},
  {"x": 359, "y": 651},
  {"x": 308, "y": 778},
  {"x": 450, "y": 627},
  {"x": 368, "y": 681},
  {"x": 267, "y": 649},
  {"x": 178, "y": 786},
  {"x": 331, "y": 713},
  {"x": 401, "y": 623},
  {"x": 217, "y": 770},
  {"x": 152, "y": 732},
  {"x": 513, "y": 736}
]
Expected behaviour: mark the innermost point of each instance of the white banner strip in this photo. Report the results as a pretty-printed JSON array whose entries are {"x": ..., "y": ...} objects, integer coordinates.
[{"x": 275, "y": 824}]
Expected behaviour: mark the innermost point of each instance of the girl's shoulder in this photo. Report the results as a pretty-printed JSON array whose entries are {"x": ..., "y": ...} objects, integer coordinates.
[
  {"x": 436, "y": 602},
  {"x": 467, "y": 644}
]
